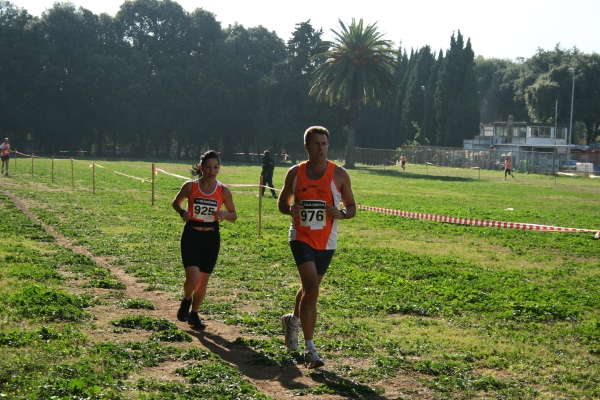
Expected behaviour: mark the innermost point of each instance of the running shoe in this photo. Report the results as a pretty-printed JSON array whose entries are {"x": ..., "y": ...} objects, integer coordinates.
[
  {"x": 183, "y": 314},
  {"x": 312, "y": 359},
  {"x": 291, "y": 332},
  {"x": 195, "y": 322}
]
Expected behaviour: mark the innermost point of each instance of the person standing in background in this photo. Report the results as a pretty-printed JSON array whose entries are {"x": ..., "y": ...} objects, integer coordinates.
[
  {"x": 5, "y": 154},
  {"x": 268, "y": 167}
]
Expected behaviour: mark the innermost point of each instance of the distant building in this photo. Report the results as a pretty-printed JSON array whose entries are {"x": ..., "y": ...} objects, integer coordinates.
[{"x": 512, "y": 136}]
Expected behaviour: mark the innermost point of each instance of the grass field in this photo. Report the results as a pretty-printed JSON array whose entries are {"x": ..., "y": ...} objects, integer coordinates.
[{"x": 408, "y": 309}]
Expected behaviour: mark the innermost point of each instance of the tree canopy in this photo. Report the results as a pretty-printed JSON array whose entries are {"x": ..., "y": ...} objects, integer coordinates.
[{"x": 158, "y": 81}]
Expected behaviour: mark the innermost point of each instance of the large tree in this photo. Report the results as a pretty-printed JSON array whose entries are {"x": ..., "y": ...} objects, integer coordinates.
[
  {"x": 359, "y": 67},
  {"x": 413, "y": 110},
  {"x": 456, "y": 97}
]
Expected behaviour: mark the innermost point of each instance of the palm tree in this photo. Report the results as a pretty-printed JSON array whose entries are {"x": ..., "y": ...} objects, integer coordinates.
[{"x": 358, "y": 66}]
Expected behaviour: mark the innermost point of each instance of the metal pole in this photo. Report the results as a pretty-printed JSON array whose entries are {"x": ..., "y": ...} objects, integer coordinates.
[
  {"x": 572, "y": 71},
  {"x": 153, "y": 183},
  {"x": 424, "y": 113},
  {"x": 260, "y": 196},
  {"x": 554, "y": 152}
]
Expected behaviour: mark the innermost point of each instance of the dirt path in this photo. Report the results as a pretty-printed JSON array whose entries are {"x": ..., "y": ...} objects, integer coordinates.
[{"x": 273, "y": 381}]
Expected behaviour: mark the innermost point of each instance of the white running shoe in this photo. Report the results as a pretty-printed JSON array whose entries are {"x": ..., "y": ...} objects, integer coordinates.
[
  {"x": 291, "y": 332},
  {"x": 312, "y": 359}
]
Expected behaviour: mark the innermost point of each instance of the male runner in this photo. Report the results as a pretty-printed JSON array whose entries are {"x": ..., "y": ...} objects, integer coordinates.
[{"x": 311, "y": 195}]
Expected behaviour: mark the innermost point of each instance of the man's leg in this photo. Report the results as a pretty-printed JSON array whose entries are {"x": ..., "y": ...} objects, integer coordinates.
[
  {"x": 306, "y": 298},
  {"x": 270, "y": 183},
  {"x": 306, "y": 309}
]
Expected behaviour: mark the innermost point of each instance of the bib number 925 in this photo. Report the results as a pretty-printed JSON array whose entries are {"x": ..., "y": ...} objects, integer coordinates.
[{"x": 203, "y": 210}]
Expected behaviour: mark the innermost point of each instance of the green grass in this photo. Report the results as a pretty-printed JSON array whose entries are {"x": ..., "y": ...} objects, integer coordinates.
[{"x": 464, "y": 312}]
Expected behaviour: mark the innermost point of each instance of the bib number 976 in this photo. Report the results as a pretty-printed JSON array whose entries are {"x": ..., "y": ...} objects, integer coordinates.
[{"x": 313, "y": 214}]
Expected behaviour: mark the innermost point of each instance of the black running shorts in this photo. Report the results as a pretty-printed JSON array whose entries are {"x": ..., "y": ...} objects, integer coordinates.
[
  {"x": 200, "y": 248},
  {"x": 304, "y": 253}
]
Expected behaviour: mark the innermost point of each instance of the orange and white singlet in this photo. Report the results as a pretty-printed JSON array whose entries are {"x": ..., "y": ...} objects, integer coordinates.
[
  {"x": 202, "y": 207},
  {"x": 5, "y": 147},
  {"x": 508, "y": 164},
  {"x": 313, "y": 226}
]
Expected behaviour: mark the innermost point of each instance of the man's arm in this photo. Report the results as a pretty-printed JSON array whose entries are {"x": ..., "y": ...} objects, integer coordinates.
[
  {"x": 342, "y": 179},
  {"x": 286, "y": 197}
]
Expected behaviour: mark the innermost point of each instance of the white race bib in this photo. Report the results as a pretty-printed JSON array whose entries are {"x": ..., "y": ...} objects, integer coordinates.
[
  {"x": 313, "y": 214},
  {"x": 205, "y": 209}
]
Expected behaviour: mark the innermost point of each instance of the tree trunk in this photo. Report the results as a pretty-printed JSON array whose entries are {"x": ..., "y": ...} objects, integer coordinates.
[{"x": 352, "y": 134}]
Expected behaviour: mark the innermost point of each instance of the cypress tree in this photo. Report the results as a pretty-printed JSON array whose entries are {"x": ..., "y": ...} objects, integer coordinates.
[
  {"x": 414, "y": 99},
  {"x": 456, "y": 89},
  {"x": 431, "y": 128}
]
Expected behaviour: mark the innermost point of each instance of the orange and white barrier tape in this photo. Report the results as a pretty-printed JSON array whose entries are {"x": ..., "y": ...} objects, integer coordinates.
[
  {"x": 120, "y": 173},
  {"x": 170, "y": 173},
  {"x": 226, "y": 184},
  {"x": 478, "y": 222}
]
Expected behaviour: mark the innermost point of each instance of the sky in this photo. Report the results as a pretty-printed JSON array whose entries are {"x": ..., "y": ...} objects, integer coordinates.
[{"x": 501, "y": 29}]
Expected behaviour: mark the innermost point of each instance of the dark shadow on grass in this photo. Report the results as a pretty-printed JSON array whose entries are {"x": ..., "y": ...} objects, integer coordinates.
[
  {"x": 413, "y": 175},
  {"x": 257, "y": 366},
  {"x": 246, "y": 360}
]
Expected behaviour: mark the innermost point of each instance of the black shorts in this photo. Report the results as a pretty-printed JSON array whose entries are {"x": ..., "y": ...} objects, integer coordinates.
[
  {"x": 200, "y": 248},
  {"x": 5, "y": 158},
  {"x": 304, "y": 253}
]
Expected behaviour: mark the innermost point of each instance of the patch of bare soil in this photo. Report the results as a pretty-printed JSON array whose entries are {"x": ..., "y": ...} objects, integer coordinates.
[{"x": 273, "y": 381}]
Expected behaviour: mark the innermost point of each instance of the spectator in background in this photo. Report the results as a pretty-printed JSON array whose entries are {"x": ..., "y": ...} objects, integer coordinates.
[
  {"x": 5, "y": 152},
  {"x": 403, "y": 161},
  {"x": 268, "y": 166}
]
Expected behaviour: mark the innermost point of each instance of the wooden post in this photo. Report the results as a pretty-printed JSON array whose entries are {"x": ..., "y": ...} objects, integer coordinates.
[
  {"x": 93, "y": 178},
  {"x": 31, "y": 164},
  {"x": 72, "y": 175},
  {"x": 479, "y": 172},
  {"x": 52, "y": 169},
  {"x": 260, "y": 196},
  {"x": 153, "y": 184}
]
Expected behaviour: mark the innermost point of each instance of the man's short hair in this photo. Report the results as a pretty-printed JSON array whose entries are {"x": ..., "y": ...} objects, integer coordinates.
[
  {"x": 315, "y": 129},
  {"x": 266, "y": 153}
]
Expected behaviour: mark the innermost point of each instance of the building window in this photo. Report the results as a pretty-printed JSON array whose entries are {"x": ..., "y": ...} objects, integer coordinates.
[
  {"x": 561, "y": 133},
  {"x": 540, "y": 132},
  {"x": 500, "y": 130}
]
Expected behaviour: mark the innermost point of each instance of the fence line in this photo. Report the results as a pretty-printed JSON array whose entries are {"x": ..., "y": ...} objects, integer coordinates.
[
  {"x": 530, "y": 162},
  {"x": 373, "y": 153}
]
